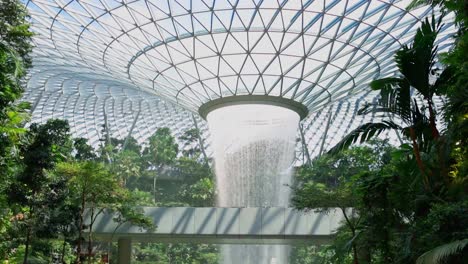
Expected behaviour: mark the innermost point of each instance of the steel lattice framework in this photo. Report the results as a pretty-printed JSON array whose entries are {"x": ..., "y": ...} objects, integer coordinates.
[{"x": 136, "y": 62}]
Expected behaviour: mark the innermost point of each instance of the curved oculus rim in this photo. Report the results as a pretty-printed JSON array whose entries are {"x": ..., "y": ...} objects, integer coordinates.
[{"x": 297, "y": 107}]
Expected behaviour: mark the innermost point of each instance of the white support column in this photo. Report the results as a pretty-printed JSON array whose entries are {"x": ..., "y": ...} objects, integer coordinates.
[{"x": 124, "y": 250}]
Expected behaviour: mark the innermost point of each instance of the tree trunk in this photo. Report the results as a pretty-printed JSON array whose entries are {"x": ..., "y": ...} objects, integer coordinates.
[
  {"x": 440, "y": 145},
  {"x": 26, "y": 250},
  {"x": 80, "y": 229},
  {"x": 417, "y": 155},
  {"x": 432, "y": 120},
  {"x": 28, "y": 236},
  {"x": 353, "y": 231},
  {"x": 90, "y": 242},
  {"x": 364, "y": 255},
  {"x": 154, "y": 188},
  {"x": 387, "y": 233}
]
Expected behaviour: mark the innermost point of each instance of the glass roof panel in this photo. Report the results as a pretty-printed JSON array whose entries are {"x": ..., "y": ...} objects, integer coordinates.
[{"x": 145, "y": 59}]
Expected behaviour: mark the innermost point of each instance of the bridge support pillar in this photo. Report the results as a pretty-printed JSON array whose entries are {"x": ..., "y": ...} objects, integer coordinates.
[{"x": 124, "y": 250}]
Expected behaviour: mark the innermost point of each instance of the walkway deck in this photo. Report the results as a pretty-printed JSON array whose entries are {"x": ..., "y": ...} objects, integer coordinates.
[{"x": 226, "y": 226}]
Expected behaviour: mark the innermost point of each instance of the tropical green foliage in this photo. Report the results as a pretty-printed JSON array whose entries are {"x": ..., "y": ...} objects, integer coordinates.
[
  {"x": 393, "y": 219},
  {"x": 162, "y": 149},
  {"x": 443, "y": 252},
  {"x": 177, "y": 178},
  {"x": 14, "y": 60},
  {"x": 401, "y": 205},
  {"x": 95, "y": 190},
  {"x": 14, "y": 48},
  {"x": 14, "y": 30},
  {"x": 417, "y": 67},
  {"x": 48, "y": 178},
  {"x": 83, "y": 181},
  {"x": 412, "y": 205},
  {"x": 34, "y": 194},
  {"x": 346, "y": 182}
]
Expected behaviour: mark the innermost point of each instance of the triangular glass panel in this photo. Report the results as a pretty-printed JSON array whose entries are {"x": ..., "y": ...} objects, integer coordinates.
[
  {"x": 222, "y": 20},
  {"x": 241, "y": 87},
  {"x": 268, "y": 15},
  {"x": 236, "y": 61},
  {"x": 183, "y": 25},
  {"x": 263, "y": 45},
  {"x": 249, "y": 66},
  {"x": 203, "y": 50},
  {"x": 246, "y": 16},
  {"x": 251, "y": 82},
  {"x": 225, "y": 69},
  {"x": 295, "y": 48},
  {"x": 204, "y": 72},
  {"x": 232, "y": 46},
  {"x": 274, "y": 68},
  {"x": 262, "y": 60},
  {"x": 296, "y": 70},
  {"x": 179, "y": 7}
]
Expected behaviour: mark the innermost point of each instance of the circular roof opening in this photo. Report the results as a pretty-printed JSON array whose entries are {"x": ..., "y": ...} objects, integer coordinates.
[{"x": 299, "y": 108}]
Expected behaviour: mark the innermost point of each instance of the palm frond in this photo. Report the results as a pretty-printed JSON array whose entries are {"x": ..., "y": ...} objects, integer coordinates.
[
  {"x": 439, "y": 253},
  {"x": 444, "y": 80},
  {"x": 362, "y": 134},
  {"x": 418, "y": 117},
  {"x": 416, "y": 62},
  {"x": 415, "y": 4},
  {"x": 418, "y": 3},
  {"x": 385, "y": 83},
  {"x": 395, "y": 98},
  {"x": 419, "y": 123}
]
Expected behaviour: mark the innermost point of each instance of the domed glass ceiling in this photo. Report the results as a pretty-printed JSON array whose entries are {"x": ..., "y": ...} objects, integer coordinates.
[{"x": 123, "y": 57}]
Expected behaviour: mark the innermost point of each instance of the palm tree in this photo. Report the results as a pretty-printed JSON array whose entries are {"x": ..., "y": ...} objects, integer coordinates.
[
  {"x": 409, "y": 97},
  {"x": 443, "y": 252}
]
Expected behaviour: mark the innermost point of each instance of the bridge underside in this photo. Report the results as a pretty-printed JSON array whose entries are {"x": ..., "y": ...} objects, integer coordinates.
[
  {"x": 212, "y": 225},
  {"x": 243, "y": 240}
]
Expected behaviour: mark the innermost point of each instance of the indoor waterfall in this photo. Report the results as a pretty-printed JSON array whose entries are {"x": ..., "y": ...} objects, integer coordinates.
[{"x": 254, "y": 153}]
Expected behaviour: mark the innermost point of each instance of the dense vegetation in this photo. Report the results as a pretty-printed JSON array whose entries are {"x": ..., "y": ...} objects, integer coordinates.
[
  {"x": 48, "y": 178},
  {"x": 403, "y": 204},
  {"x": 58, "y": 177}
]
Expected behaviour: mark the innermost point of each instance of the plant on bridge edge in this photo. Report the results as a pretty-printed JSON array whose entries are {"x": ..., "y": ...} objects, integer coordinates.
[{"x": 96, "y": 190}]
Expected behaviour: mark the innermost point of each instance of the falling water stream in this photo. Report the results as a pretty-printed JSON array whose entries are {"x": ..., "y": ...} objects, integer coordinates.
[{"x": 253, "y": 151}]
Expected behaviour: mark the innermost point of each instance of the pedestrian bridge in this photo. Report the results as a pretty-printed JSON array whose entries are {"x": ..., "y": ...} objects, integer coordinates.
[{"x": 271, "y": 225}]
